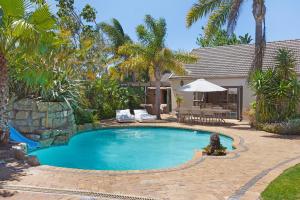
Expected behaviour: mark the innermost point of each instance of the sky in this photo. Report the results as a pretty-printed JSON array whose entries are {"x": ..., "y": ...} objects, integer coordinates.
[{"x": 282, "y": 18}]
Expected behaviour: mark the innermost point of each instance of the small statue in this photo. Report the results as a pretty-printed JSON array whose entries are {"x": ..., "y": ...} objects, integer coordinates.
[
  {"x": 215, "y": 142},
  {"x": 215, "y": 147}
]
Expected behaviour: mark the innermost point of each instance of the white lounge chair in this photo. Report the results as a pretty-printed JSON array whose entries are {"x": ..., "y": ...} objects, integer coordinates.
[
  {"x": 143, "y": 116},
  {"x": 124, "y": 116}
]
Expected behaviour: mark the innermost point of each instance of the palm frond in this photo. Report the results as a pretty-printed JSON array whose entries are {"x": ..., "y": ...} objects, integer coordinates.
[
  {"x": 42, "y": 18},
  {"x": 13, "y": 8},
  {"x": 233, "y": 15},
  {"x": 117, "y": 25},
  {"x": 217, "y": 19},
  {"x": 143, "y": 35},
  {"x": 201, "y": 9},
  {"x": 184, "y": 57}
]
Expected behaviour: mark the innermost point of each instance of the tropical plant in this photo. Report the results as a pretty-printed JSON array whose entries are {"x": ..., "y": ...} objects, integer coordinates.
[
  {"x": 221, "y": 38},
  {"x": 245, "y": 39},
  {"x": 54, "y": 73},
  {"x": 21, "y": 29},
  {"x": 83, "y": 30},
  {"x": 152, "y": 54},
  {"x": 106, "y": 96},
  {"x": 179, "y": 100},
  {"x": 117, "y": 37},
  {"x": 278, "y": 88},
  {"x": 221, "y": 12},
  {"x": 115, "y": 34}
]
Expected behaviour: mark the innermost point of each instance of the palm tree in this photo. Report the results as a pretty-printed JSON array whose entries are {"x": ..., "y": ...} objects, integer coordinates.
[
  {"x": 115, "y": 33},
  {"x": 152, "y": 54},
  {"x": 245, "y": 39},
  {"x": 227, "y": 12},
  {"x": 117, "y": 38},
  {"x": 21, "y": 29}
]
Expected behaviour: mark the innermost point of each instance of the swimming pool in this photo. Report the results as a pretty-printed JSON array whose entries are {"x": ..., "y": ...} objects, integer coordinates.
[{"x": 133, "y": 148}]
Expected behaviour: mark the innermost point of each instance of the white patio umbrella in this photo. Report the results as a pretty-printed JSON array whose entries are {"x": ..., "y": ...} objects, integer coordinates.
[{"x": 201, "y": 85}]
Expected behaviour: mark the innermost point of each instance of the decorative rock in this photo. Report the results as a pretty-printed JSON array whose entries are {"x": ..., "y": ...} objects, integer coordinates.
[
  {"x": 57, "y": 123},
  {"x": 33, "y": 161},
  {"x": 38, "y": 120},
  {"x": 22, "y": 115},
  {"x": 19, "y": 154},
  {"x": 38, "y": 115},
  {"x": 46, "y": 142},
  {"x": 25, "y": 129},
  {"x": 42, "y": 106},
  {"x": 57, "y": 132},
  {"x": 34, "y": 137},
  {"x": 59, "y": 140},
  {"x": 20, "y": 123},
  {"x": 46, "y": 134},
  {"x": 25, "y": 104},
  {"x": 11, "y": 114}
]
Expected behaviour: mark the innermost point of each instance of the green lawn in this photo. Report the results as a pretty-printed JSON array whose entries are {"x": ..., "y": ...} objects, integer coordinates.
[{"x": 285, "y": 187}]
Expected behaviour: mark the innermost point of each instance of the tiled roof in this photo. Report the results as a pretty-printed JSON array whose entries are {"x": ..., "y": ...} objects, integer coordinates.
[{"x": 236, "y": 60}]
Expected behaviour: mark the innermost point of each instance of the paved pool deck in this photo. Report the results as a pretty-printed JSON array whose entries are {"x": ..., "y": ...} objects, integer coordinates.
[{"x": 259, "y": 158}]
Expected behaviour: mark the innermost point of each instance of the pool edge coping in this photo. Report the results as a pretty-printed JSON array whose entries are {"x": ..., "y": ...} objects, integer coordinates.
[{"x": 198, "y": 157}]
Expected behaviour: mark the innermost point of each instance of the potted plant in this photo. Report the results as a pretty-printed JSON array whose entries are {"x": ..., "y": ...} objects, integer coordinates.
[{"x": 179, "y": 100}]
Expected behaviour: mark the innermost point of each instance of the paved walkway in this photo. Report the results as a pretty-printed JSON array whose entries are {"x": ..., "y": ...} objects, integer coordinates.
[{"x": 259, "y": 158}]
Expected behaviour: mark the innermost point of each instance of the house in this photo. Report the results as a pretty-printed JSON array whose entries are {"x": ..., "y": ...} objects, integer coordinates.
[{"x": 228, "y": 66}]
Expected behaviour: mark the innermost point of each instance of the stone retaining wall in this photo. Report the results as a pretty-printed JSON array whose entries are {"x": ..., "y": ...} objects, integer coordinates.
[{"x": 50, "y": 123}]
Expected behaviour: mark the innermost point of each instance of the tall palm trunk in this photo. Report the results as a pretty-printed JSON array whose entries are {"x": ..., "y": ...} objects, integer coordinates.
[
  {"x": 4, "y": 132},
  {"x": 259, "y": 12},
  {"x": 157, "y": 92}
]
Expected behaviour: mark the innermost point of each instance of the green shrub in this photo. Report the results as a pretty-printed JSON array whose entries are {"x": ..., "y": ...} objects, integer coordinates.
[
  {"x": 83, "y": 116},
  {"x": 217, "y": 152},
  {"x": 106, "y": 96},
  {"x": 277, "y": 89}
]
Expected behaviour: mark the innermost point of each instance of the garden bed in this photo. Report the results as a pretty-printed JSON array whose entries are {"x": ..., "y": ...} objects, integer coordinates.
[{"x": 291, "y": 127}]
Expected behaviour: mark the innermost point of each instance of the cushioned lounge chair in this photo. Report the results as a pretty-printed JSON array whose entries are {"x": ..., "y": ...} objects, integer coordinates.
[
  {"x": 143, "y": 116},
  {"x": 124, "y": 116}
]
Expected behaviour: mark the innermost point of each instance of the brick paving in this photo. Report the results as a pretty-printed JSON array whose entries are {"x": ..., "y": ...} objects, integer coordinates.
[{"x": 243, "y": 174}]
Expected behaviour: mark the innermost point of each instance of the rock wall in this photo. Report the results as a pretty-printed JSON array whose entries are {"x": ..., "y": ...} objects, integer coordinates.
[{"x": 50, "y": 123}]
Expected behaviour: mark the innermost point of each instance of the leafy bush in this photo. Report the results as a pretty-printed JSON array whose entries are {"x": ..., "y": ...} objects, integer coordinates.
[
  {"x": 106, "y": 96},
  {"x": 53, "y": 85},
  {"x": 217, "y": 152},
  {"x": 277, "y": 89},
  {"x": 83, "y": 116}
]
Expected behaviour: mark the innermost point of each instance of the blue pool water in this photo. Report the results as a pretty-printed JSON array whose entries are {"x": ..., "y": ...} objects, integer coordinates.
[{"x": 128, "y": 149}]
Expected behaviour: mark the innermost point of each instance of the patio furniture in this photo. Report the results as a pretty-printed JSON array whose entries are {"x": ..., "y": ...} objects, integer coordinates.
[
  {"x": 183, "y": 115},
  {"x": 124, "y": 116},
  {"x": 143, "y": 116},
  {"x": 216, "y": 115},
  {"x": 202, "y": 116}
]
